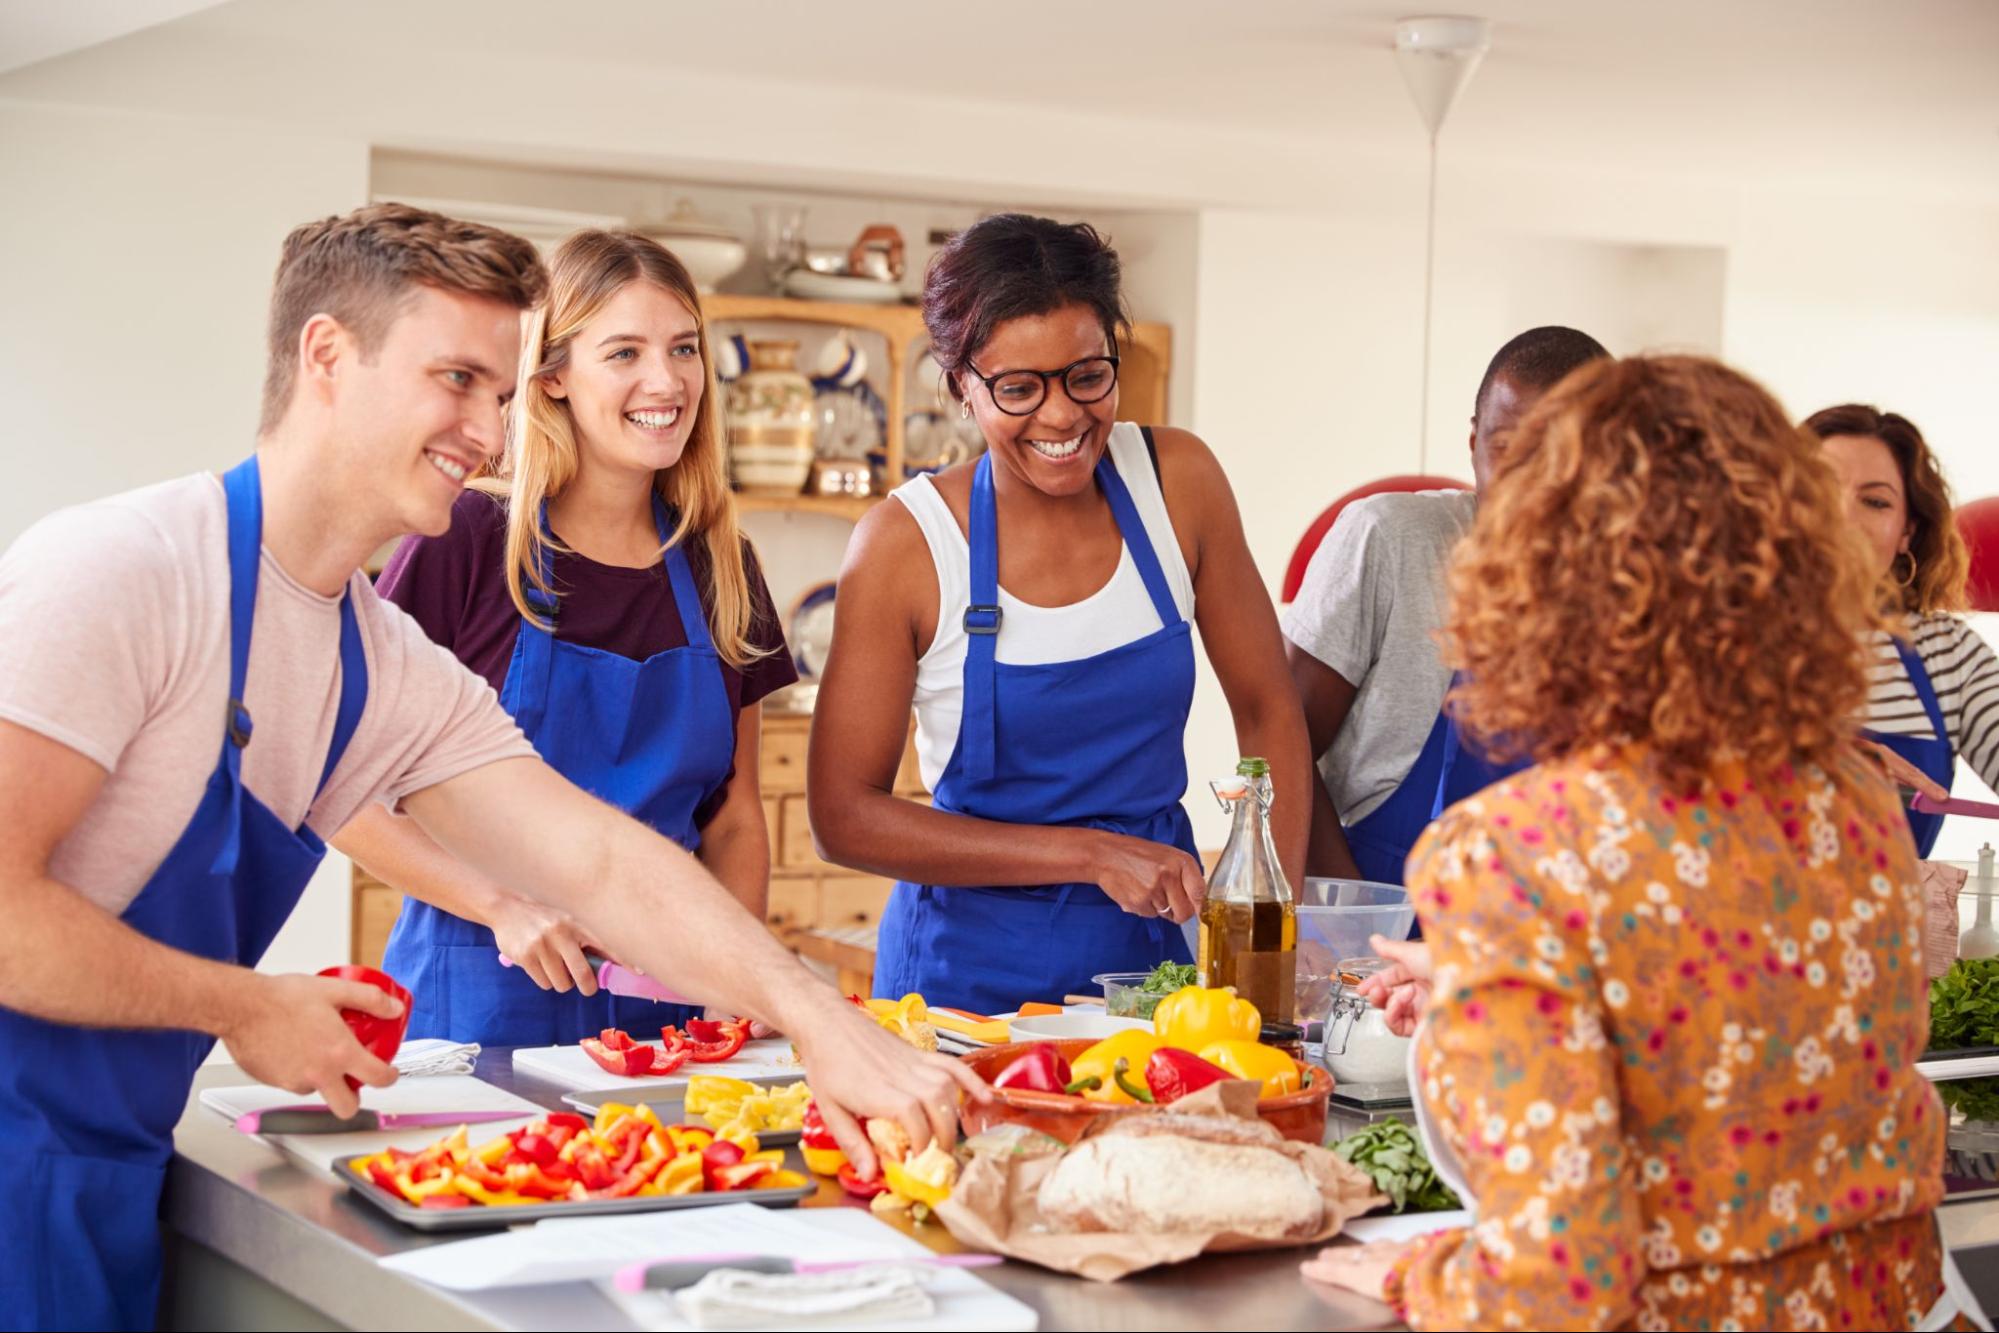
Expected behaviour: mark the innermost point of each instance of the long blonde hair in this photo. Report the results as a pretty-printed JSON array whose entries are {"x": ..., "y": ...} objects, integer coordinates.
[{"x": 541, "y": 457}]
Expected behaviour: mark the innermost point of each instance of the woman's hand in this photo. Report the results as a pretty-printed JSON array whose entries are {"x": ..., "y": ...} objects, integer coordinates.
[
  {"x": 1147, "y": 878},
  {"x": 1361, "y": 1268},
  {"x": 1401, "y": 990},
  {"x": 545, "y": 944},
  {"x": 1902, "y": 771}
]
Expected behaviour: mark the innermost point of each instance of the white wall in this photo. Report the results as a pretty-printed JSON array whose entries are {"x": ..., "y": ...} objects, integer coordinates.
[{"x": 138, "y": 256}]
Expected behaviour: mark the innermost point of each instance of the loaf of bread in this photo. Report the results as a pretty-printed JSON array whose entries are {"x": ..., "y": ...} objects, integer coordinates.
[{"x": 1152, "y": 1174}]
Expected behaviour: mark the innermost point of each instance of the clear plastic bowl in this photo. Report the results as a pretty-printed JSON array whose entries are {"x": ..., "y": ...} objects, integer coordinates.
[
  {"x": 1335, "y": 919},
  {"x": 1123, "y": 997}
]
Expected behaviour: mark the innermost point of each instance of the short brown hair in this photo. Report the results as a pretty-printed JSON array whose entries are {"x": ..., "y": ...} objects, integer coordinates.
[
  {"x": 1942, "y": 565},
  {"x": 360, "y": 267},
  {"x": 1664, "y": 560}
]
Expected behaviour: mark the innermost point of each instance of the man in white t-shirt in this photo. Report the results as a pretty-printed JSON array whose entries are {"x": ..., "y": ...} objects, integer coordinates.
[
  {"x": 1362, "y": 638},
  {"x": 169, "y": 775}
]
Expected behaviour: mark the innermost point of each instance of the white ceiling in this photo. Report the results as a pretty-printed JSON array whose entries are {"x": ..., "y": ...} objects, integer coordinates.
[{"x": 1899, "y": 91}]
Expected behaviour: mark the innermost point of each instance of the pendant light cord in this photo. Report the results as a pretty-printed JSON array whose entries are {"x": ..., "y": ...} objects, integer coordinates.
[{"x": 1429, "y": 281}]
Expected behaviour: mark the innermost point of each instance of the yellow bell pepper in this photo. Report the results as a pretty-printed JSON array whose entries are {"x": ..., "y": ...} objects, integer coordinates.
[
  {"x": 1134, "y": 1046},
  {"x": 926, "y": 1178},
  {"x": 823, "y": 1161},
  {"x": 682, "y": 1175},
  {"x": 706, "y": 1090},
  {"x": 1194, "y": 1017},
  {"x": 1276, "y": 1071}
]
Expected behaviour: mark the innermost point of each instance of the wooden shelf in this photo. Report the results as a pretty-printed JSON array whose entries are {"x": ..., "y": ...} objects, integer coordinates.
[
  {"x": 849, "y": 507},
  {"x": 897, "y": 323}
]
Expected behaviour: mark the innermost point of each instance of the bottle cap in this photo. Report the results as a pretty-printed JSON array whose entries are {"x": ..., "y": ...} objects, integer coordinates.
[{"x": 1249, "y": 766}]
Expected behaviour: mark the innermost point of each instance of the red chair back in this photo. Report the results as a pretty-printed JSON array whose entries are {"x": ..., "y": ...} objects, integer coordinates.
[{"x": 1294, "y": 573}]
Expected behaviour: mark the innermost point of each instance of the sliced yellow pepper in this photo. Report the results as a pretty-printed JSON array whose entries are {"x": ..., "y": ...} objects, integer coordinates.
[
  {"x": 823, "y": 1161},
  {"x": 782, "y": 1180},
  {"x": 682, "y": 1175},
  {"x": 1195, "y": 1017},
  {"x": 1276, "y": 1071},
  {"x": 705, "y": 1090},
  {"x": 1134, "y": 1046},
  {"x": 926, "y": 1178}
]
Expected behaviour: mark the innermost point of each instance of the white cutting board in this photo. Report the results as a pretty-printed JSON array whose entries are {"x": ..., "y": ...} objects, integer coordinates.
[
  {"x": 436, "y": 1092},
  {"x": 963, "y": 1300},
  {"x": 767, "y": 1061}
]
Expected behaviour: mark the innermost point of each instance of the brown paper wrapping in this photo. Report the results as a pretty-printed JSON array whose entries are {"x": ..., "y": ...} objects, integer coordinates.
[{"x": 993, "y": 1206}]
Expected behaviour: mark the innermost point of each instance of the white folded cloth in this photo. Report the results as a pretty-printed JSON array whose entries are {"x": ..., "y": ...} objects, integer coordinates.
[
  {"x": 732, "y": 1298},
  {"x": 435, "y": 1055}
]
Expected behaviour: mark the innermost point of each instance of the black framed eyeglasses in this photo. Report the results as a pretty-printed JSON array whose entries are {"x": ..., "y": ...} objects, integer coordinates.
[{"x": 1019, "y": 392}]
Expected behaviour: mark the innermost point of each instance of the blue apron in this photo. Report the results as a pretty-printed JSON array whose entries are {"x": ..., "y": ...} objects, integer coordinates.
[
  {"x": 1097, "y": 743},
  {"x": 1448, "y": 770},
  {"x": 88, "y": 1115},
  {"x": 1931, "y": 754},
  {"x": 655, "y": 738}
]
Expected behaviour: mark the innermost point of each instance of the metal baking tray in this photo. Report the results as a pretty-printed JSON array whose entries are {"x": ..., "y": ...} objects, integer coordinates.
[
  {"x": 671, "y": 1111},
  {"x": 482, "y": 1218}
]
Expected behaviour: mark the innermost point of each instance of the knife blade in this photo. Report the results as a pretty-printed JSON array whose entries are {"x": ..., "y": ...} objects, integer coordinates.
[{"x": 315, "y": 1119}]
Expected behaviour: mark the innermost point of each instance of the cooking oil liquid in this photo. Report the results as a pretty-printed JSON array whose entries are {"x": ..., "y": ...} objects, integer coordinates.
[{"x": 1252, "y": 946}]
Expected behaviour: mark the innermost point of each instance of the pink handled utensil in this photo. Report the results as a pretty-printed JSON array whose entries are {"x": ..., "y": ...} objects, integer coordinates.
[{"x": 617, "y": 979}]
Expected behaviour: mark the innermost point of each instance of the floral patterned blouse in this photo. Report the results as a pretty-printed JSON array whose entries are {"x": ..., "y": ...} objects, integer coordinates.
[{"x": 1672, "y": 1046}]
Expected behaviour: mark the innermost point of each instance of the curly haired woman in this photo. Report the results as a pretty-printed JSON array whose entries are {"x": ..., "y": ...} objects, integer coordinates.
[{"x": 1668, "y": 1059}]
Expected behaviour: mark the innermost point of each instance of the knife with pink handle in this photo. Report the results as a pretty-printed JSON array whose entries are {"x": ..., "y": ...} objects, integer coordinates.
[
  {"x": 314, "y": 1118},
  {"x": 617, "y": 979}
]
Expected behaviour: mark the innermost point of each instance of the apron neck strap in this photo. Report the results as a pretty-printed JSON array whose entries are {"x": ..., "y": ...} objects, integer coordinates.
[
  {"x": 243, "y": 493},
  {"x": 978, "y": 723},
  {"x": 1137, "y": 540},
  {"x": 680, "y": 573},
  {"x": 1926, "y": 690},
  {"x": 353, "y": 691}
]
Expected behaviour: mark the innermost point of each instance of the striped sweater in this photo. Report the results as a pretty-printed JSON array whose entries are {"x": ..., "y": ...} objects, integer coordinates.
[{"x": 1965, "y": 674}]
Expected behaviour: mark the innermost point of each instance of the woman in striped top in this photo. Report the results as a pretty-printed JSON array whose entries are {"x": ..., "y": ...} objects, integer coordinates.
[{"x": 1933, "y": 695}]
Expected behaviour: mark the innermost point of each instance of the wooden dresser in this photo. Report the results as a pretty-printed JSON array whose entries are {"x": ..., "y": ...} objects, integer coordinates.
[{"x": 806, "y": 894}]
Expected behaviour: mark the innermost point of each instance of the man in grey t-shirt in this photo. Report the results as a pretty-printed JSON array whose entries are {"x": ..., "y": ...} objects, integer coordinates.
[{"x": 1362, "y": 634}]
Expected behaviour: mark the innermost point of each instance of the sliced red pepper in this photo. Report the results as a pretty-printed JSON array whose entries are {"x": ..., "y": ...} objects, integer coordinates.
[
  {"x": 665, "y": 1062},
  {"x": 626, "y": 1185},
  {"x": 851, "y": 1182},
  {"x": 575, "y": 1124},
  {"x": 715, "y": 1029},
  {"x": 1041, "y": 1069},
  {"x": 630, "y": 1061},
  {"x": 379, "y": 1172},
  {"x": 717, "y": 1157},
  {"x": 813, "y": 1133},
  {"x": 594, "y": 1170},
  {"x": 482, "y": 1175},
  {"x": 531, "y": 1180},
  {"x": 672, "y": 1039},
  {"x": 1172, "y": 1074},
  {"x": 723, "y": 1047},
  {"x": 742, "y": 1176},
  {"x": 444, "y": 1200},
  {"x": 617, "y": 1039},
  {"x": 531, "y": 1146}
]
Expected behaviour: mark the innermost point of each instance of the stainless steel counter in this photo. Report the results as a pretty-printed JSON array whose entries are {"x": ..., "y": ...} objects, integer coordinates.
[{"x": 259, "y": 1241}]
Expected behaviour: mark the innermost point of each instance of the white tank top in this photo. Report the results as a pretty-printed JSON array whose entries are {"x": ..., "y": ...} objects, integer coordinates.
[{"x": 1118, "y": 613}]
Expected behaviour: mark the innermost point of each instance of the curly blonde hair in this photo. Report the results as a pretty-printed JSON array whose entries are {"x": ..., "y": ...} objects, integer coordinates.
[
  {"x": 1665, "y": 561},
  {"x": 1941, "y": 565}
]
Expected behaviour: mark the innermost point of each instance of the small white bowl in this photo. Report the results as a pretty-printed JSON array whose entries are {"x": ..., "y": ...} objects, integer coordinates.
[{"x": 1064, "y": 1027}]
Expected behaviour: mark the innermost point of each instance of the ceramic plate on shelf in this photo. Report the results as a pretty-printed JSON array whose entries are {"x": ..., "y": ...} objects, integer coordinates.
[
  {"x": 810, "y": 629},
  {"x": 840, "y": 287}
]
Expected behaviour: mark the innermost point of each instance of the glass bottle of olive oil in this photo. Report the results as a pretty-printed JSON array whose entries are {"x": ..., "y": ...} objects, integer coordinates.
[{"x": 1249, "y": 923}]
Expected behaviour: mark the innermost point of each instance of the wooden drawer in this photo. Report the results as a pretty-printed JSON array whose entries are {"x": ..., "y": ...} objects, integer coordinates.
[
  {"x": 794, "y": 835},
  {"x": 783, "y": 767},
  {"x": 376, "y": 907},
  {"x": 794, "y": 904},
  {"x": 852, "y": 900}
]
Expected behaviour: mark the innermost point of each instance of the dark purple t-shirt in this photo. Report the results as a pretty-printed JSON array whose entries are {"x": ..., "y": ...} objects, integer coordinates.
[{"x": 455, "y": 586}]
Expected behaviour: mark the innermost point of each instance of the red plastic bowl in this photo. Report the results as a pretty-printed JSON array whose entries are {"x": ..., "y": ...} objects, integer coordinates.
[{"x": 382, "y": 1036}]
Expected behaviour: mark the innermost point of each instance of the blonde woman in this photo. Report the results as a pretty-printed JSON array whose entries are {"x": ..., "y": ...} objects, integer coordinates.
[{"x": 600, "y": 583}]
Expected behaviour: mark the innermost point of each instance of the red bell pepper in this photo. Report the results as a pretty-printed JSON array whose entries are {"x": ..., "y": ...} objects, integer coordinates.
[
  {"x": 482, "y": 1175},
  {"x": 1041, "y": 1069},
  {"x": 532, "y": 1146},
  {"x": 742, "y": 1176},
  {"x": 724, "y": 1040},
  {"x": 383, "y": 1176},
  {"x": 851, "y": 1182},
  {"x": 716, "y": 1158},
  {"x": 444, "y": 1200},
  {"x": 594, "y": 1169},
  {"x": 575, "y": 1124},
  {"x": 1172, "y": 1074},
  {"x": 665, "y": 1062},
  {"x": 526, "y": 1178},
  {"x": 626, "y": 1185},
  {"x": 631, "y": 1061}
]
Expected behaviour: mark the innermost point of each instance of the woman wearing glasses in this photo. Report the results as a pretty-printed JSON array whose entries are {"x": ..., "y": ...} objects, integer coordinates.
[{"x": 1037, "y": 608}]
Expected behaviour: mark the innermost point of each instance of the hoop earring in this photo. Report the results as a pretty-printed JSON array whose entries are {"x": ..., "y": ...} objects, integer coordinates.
[{"x": 1910, "y": 581}]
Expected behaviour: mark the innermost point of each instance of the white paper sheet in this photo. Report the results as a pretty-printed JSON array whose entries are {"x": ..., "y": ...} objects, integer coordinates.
[{"x": 1403, "y": 1226}]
